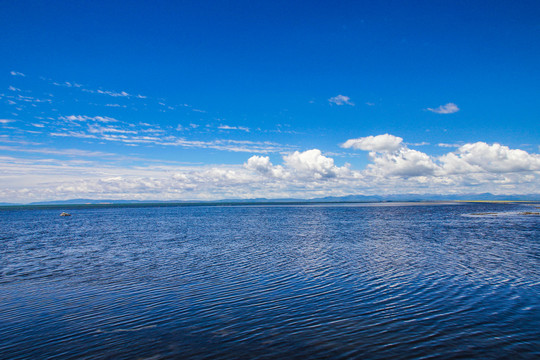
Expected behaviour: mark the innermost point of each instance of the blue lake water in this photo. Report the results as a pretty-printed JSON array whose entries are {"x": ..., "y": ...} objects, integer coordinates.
[{"x": 365, "y": 281}]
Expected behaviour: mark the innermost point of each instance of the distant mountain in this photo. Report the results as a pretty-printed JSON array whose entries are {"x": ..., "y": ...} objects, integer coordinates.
[
  {"x": 86, "y": 201},
  {"x": 348, "y": 198}
]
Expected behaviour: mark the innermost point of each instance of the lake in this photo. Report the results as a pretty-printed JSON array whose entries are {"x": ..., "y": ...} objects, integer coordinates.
[{"x": 340, "y": 281}]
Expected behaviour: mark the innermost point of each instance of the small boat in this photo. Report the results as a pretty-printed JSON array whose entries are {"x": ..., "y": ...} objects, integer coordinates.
[{"x": 65, "y": 214}]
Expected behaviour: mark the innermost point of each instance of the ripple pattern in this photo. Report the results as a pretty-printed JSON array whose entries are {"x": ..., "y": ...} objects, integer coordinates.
[{"x": 267, "y": 282}]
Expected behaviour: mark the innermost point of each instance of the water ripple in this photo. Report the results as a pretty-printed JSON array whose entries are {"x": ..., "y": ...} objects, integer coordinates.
[{"x": 269, "y": 282}]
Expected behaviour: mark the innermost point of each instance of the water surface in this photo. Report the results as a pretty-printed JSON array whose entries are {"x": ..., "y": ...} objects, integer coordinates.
[{"x": 298, "y": 282}]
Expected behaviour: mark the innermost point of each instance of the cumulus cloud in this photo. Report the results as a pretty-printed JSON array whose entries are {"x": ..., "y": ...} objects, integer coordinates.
[
  {"x": 449, "y": 108},
  {"x": 380, "y": 143},
  {"x": 312, "y": 163},
  {"x": 308, "y": 165},
  {"x": 403, "y": 162},
  {"x": 479, "y": 162},
  {"x": 393, "y": 168},
  {"x": 341, "y": 100},
  {"x": 262, "y": 164},
  {"x": 495, "y": 158}
]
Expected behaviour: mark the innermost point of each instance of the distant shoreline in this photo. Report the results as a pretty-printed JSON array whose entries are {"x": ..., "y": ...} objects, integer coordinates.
[{"x": 256, "y": 203}]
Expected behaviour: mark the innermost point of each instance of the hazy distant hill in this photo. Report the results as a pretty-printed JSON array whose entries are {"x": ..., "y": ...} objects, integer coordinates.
[
  {"x": 87, "y": 201},
  {"x": 348, "y": 198}
]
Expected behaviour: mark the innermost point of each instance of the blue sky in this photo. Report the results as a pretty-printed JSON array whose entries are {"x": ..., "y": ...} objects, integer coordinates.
[{"x": 209, "y": 100}]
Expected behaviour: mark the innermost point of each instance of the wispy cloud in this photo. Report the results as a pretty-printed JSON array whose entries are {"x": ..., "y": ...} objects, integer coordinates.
[
  {"x": 423, "y": 143},
  {"x": 227, "y": 127},
  {"x": 64, "y": 152},
  {"x": 449, "y": 108},
  {"x": 98, "y": 129},
  {"x": 445, "y": 145},
  {"x": 181, "y": 127},
  {"x": 113, "y": 93},
  {"x": 341, "y": 100},
  {"x": 67, "y": 84},
  {"x": 132, "y": 137},
  {"x": 6, "y": 121},
  {"x": 103, "y": 119},
  {"x": 16, "y": 73}
]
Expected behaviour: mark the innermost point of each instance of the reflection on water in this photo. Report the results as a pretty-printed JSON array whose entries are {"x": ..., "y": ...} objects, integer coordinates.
[{"x": 351, "y": 281}]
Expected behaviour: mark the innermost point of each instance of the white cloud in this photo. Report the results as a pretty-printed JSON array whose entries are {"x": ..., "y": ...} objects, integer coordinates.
[
  {"x": 263, "y": 165},
  {"x": 103, "y": 119},
  {"x": 128, "y": 137},
  {"x": 75, "y": 134},
  {"x": 98, "y": 129},
  {"x": 312, "y": 163},
  {"x": 474, "y": 163},
  {"x": 16, "y": 73},
  {"x": 403, "y": 162},
  {"x": 444, "y": 145},
  {"x": 341, "y": 100},
  {"x": 63, "y": 152},
  {"x": 308, "y": 165},
  {"x": 476, "y": 167},
  {"x": 6, "y": 121},
  {"x": 385, "y": 142},
  {"x": 227, "y": 127},
  {"x": 449, "y": 108},
  {"x": 13, "y": 88},
  {"x": 68, "y": 84},
  {"x": 188, "y": 127},
  {"x": 495, "y": 158},
  {"x": 423, "y": 143},
  {"x": 113, "y": 93}
]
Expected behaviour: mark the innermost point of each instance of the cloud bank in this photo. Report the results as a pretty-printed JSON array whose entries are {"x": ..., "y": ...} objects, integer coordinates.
[{"x": 393, "y": 168}]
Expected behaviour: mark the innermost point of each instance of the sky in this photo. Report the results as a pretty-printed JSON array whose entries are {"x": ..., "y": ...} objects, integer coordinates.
[{"x": 206, "y": 100}]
